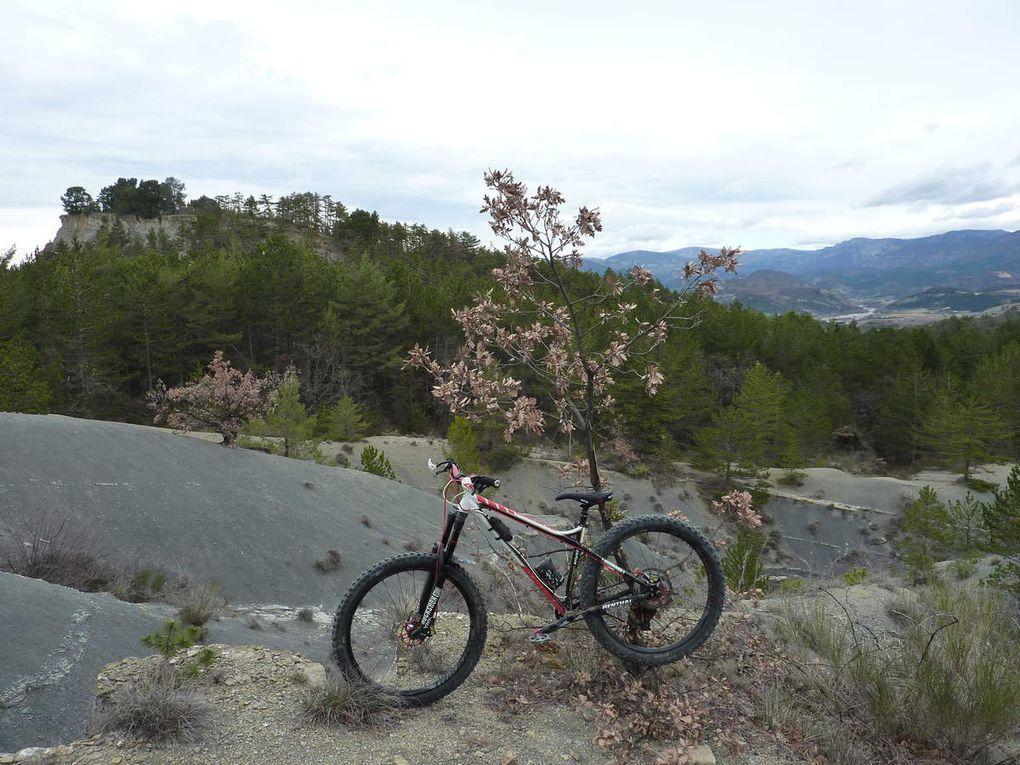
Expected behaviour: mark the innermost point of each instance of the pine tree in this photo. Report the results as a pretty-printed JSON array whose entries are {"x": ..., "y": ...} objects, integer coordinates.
[
  {"x": 743, "y": 435},
  {"x": 925, "y": 533},
  {"x": 288, "y": 421},
  {"x": 961, "y": 431},
  {"x": 996, "y": 383}
]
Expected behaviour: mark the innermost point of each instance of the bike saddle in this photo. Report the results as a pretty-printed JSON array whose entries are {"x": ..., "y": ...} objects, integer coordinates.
[{"x": 587, "y": 498}]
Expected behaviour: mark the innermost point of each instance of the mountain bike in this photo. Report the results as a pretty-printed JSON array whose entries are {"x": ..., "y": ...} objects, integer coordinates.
[{"x": 650, "y": 591}]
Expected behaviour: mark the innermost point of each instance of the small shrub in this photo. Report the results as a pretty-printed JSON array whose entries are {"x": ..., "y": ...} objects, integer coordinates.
[
  {"x": 48, "y": 547},
  {"x": 462, "y": 446},
  {"x": 979, "y": 484},
  {"x": 255, "y": 623},
  {"x": 792, "y": 584},
  {"x": 855, "y": 576},
  {"x": 742, "y": 564},
  {"x": 172, "y": 638},
  {"x": 792, "y": 477},
  {"x": 197, "y": 664},
  {"x": 329, "y": 563},
  {"x": 375, "y": 461},
  {"x": 760, "y": 495},
  {"x": 154, "y": 709},
  {"x": 170, "y": 641},
  {"x": 637, "y": 470},
  {"x": 197, "y": 605},
  {"x": 964, "y": 568},
  {"x": 145, "y": 585},
  {"x": 354, "y": 705},
  {"x": 305, "y": 615}
]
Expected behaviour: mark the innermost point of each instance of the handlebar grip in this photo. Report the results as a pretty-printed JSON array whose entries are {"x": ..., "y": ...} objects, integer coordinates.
[{"x": 484, "y": 482}]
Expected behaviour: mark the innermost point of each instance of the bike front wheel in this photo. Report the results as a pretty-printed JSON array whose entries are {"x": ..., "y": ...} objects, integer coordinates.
[
  {"x": 372, "y": 641},
  {"x": 679, "y": 609}
]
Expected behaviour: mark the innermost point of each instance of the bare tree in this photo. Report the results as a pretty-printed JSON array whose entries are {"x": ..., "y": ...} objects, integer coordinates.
[
  {"x": 224, "y": 400},
  {"x": 574, "y": 339}
]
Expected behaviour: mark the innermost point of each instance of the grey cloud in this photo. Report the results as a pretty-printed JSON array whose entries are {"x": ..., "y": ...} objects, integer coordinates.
[
  {"x": 983, "y": 211},
  {"x": 848, "y": 164},
  {"x": 978, "y": 183}
]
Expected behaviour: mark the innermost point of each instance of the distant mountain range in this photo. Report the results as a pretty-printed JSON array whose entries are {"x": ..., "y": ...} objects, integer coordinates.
[{"x": 969, "y": 270}]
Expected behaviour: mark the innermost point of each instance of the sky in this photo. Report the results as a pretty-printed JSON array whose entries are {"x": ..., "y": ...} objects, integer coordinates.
[{"x": 779, "y": 124}]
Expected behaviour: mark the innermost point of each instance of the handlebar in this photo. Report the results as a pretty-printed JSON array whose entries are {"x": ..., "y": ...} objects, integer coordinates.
[{"x": 479, "y": 482}]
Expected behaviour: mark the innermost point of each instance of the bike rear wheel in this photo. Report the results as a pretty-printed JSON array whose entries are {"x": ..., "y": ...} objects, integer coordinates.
[
  {"x": 372, "y": 642},
  {"x": 689, "y": 589}
]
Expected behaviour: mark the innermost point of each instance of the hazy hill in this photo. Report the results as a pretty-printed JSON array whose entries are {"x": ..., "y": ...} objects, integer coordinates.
[
  {"x": 866, "y": 269},
  {"x": 773, "y": 291}
]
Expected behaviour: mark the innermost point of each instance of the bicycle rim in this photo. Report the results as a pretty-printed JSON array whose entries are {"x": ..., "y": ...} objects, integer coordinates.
[
  {"x": 380, "y": 648},
  {"x": 678, "y": 612}
]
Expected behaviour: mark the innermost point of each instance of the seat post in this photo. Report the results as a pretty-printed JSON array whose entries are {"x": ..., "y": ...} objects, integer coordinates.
[{"x": 582, "y": 521}]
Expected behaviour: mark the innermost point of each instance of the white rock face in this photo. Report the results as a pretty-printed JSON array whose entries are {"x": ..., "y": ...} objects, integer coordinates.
[{"x": 85, "y": 228}]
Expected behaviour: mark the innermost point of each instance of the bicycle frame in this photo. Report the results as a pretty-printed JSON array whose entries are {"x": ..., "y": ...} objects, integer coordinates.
[{"x": 567, "y": 609}]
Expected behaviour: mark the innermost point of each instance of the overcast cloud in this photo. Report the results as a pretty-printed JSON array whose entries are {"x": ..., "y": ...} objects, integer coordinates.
[{"x": 753, "y": 124}]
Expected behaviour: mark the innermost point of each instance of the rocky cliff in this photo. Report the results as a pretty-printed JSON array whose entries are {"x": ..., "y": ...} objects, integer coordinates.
[{"x": 85, "y": 228}]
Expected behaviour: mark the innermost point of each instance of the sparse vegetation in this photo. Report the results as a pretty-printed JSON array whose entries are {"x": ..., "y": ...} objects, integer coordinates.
[
  {"x": 154, "y": 709},
  {"x": 329, "y": 562},
  {"x": 198, "y": 604},
  {"x": 163, "y": 704},
  {"x": 354, "y": 705},
  {"x": 792, "y": 477},
  {"x": 50, "y": 547},
  {"x": 376, "y": 462},
  {"x": 305, "y": 615},
  {"x": 742, "y": 562},
  {"x": 855, "y": 576},
  {"x": 949, "y": 678}
]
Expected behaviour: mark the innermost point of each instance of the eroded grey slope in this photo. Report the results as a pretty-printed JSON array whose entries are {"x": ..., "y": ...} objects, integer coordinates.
[
  {"x": 54, "y": 641},
  {"x": 254, "y": 522}
]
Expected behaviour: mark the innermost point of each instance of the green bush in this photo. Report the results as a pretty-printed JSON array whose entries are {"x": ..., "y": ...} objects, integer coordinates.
[
  {"x": 925, "y": 534},
  {"x": 462, "y": 446},
  {"x": 792, "y": 477},
  {"x": 172, "y": 638},
  {"x": 344, "y": 421},
  {"x": 742, "y": 564},
  {"x": 979, "y": 484},
  {"x": 760, "y": 495},
  {"x": 375, "y": 461},
  {"x": 855, "y": 576}
]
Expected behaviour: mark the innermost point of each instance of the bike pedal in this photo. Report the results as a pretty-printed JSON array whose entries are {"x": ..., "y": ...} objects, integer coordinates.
[{"x": 539, "y": 637}]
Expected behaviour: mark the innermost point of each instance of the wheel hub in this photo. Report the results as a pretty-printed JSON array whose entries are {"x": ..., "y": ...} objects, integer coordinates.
[
  {"x": 411, "y": 632},
  {"x": 658, "y": 592}
]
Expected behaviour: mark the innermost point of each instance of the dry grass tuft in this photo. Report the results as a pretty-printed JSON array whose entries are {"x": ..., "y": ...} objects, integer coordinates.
[
  {"x": 354, "y": 705},
  {"x": 948, "y": 681},
  {"x": 197, "y": 605},
  {"x": 329, "y": 563},
  {"x": 156, "y": 708}
]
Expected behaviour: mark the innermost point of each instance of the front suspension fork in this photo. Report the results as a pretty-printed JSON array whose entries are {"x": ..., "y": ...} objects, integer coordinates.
[{"x": 443, "y": 550}]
